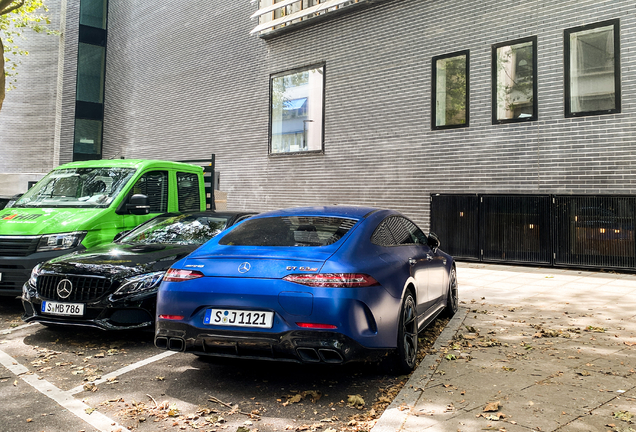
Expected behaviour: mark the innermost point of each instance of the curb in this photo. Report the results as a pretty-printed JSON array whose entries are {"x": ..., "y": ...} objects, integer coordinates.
[{"x": 394, "y": 417}]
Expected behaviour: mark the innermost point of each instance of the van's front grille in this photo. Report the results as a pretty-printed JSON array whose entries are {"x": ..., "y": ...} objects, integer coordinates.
[{"x": 18, "y": 246}]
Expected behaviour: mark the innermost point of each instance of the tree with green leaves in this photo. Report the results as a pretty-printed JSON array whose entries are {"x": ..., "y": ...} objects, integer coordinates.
[{"x": 15, "y": 17}]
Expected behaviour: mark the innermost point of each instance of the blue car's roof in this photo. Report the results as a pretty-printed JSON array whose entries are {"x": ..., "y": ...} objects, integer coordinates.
[{"x": 345, "y": 211}]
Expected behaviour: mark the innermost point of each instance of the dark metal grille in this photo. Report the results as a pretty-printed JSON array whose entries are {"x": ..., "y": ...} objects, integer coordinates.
[
  {"x": 18, "y": 246},
  {"x": 13, "y": 277},
  {"x": 516, "y": 228},
  {"x": 84, "y": 288},
  {"x": 455, "y": 220},
  {"x": 595, "y": 231}
]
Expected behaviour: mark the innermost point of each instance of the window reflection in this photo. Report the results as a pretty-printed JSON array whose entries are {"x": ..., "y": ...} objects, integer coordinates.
[
  {"x": 296, "y": 111},
  {"x": 593, "y": 68},
  {"x": 90, "y": 73},
  {"x": 450, "y": 75},
  {"x": 515, "y": 81}
]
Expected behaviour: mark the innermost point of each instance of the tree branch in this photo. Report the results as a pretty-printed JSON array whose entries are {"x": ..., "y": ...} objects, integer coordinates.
[{"x": 5, "y": 6}]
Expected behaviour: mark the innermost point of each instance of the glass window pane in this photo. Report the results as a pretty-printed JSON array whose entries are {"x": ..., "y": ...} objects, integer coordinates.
[
  {"x": 93, "y": 13},
  {"x": 296, "y": 114},
  {"x": 289, "y": 231},
  {"x": 515, "y": 81},
  {"x": 592, "y": 70},
  {"x": 450, "y": 94},
  {"x": 155, "y": 186},
  {"x": 90, "y": 73},
  {"x": 88, "y": 137},
  {"x": 188, "y": 191}
]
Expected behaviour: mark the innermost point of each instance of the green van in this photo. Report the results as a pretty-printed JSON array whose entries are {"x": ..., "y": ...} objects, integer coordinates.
[{"x": 82, "y": 204}]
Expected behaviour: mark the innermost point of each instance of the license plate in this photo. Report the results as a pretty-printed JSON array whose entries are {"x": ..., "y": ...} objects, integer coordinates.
[
  {"x": 239, "y": 318},
  {"x": 67, "y": 309}
]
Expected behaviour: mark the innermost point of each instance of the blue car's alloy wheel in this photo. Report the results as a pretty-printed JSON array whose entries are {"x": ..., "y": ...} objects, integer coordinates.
[{"x": 407, "y": 335}]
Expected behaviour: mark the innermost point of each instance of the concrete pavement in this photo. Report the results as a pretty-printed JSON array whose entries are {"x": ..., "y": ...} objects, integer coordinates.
[{"x": 540, "y": 349}]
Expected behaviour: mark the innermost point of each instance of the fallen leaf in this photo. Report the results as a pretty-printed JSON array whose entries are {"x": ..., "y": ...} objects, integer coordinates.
[
  {"x": 355, "y": 401},
  {"x": 625, "y": 416},
  {"x": 492, "y": 406}
]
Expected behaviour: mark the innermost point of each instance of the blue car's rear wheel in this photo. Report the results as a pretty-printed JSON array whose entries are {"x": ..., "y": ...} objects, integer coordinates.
[
  {"x": 452, "y": 297},
  {"x": 407, "y": 335}
]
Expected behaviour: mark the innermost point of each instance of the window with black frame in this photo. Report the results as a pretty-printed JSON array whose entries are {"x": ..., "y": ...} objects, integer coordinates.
[
  {"x": 592, "y": 69},
  {"x": 91, "y": 69},
  {"x": 188, "y": 191},
  {"x": 296, "y": 110},
  {"x": 514, "y": 81},
  {"x": 154, "y": 185},
  {"x": 450, "y": 90}
]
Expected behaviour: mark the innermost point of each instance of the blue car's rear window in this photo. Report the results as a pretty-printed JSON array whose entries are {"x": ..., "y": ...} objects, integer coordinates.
[{"x": 289, "y": 231}]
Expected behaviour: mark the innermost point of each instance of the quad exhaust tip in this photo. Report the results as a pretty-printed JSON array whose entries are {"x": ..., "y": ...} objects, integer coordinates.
[
  {"x": 172, "y": 344},
  {"x": 322, "y": 355}
]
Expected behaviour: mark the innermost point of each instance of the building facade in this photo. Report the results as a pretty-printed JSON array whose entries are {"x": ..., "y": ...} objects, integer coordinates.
[{"x": 377, "y": 103}]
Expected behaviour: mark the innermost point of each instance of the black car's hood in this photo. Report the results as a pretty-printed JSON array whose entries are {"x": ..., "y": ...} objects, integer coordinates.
[{"x": 119, "y": 261}]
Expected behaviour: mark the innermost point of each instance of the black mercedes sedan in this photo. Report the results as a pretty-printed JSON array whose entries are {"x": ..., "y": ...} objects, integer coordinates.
[{"x": 114, "y": 286}]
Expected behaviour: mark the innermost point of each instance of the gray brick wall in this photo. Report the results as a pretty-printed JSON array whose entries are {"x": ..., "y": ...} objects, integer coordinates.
[
  {"x": 194, "y": 82},
  {"x": 185, "y": 82},
  {"x": 27, "y": 119}
]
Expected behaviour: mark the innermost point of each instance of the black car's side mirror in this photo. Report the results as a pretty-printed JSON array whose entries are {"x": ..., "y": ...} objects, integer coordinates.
[
  {"x": 138, "y": 204},
  {"x": 433, "y": 241},
  {"x": 120, "y": 235}
]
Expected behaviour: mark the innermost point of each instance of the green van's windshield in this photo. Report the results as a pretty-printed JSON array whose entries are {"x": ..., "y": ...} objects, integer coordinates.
[{"x": 77, "y": 187}]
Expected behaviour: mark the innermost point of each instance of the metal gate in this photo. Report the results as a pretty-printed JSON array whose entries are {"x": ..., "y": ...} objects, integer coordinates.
[
  {"x": 561, "y": 230},
  {"x": 594, "y": 231},
  {"x": 515, "y": 228},
  {"x": 455, "y": 219}
]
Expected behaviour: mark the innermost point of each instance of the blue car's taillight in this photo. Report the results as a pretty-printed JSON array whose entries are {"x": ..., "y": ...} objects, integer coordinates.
[
  {"x": 333, "y": 280},
  {"x": 178, "y": 275}
]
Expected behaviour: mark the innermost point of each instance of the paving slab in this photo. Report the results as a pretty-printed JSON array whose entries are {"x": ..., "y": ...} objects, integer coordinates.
[{"x": 555, "y": 348}]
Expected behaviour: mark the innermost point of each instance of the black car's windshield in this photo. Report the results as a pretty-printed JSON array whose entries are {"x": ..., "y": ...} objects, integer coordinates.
[
  {"x": 179, "y": 229},
  {"x": 77, "y": 187},
  {"x": 289, "y": 231}
]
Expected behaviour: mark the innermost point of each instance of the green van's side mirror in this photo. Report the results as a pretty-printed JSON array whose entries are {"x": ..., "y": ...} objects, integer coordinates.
[{"x": 138, "y": 204}]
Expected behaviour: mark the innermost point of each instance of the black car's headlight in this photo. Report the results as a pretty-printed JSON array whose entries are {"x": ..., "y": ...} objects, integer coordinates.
[
  {"x": 34, "y": 275},
  {"x": 54, "y": 242},
  {"x": 140, "y": 284}
]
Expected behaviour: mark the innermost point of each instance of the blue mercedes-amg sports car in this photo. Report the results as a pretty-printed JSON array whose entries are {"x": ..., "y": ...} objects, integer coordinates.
[{"x": 315, "y": 284}]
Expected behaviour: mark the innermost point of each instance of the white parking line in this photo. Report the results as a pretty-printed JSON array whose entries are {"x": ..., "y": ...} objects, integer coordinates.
[
  {"x": 9, "y": 331},
  {"x": 123, "y": 370},
  {"x": 65, "y": 399}
]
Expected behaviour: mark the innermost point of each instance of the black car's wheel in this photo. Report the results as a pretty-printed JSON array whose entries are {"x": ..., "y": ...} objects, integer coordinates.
[
  {"x": 407, "y": 335},
  {"x": 452, "y": 297}
]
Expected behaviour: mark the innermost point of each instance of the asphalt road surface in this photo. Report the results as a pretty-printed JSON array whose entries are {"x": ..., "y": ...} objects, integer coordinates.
[{"x": 74, "y": 379}]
